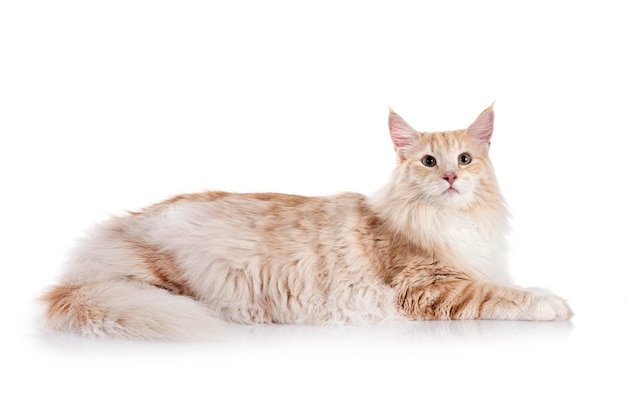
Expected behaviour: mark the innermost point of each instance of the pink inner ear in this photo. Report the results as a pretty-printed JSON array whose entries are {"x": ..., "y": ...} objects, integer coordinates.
[
  {"x": 402, "y": 134},
  {"x": 482, "y": 128}
]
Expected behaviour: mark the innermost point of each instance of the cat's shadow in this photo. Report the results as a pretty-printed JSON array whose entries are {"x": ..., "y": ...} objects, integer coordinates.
[
  {"x": 409, "y": 332},
  {"x": 399, "y": 333}
]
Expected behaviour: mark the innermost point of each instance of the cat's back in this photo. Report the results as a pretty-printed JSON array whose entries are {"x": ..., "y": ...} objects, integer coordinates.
[
  {"x": 252, "y": 210},
  {"x": 248, "y": 221}
]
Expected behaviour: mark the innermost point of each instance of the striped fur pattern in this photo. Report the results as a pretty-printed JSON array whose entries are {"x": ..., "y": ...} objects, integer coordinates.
[{"x": 430, "y": 245}]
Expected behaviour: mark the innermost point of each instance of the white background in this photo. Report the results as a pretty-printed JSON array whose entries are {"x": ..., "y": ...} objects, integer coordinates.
[{"x": 111, "y": 106}]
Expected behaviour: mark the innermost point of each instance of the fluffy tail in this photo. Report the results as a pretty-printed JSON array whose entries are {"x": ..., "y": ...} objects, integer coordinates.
[{"x": 126, "y": 309}]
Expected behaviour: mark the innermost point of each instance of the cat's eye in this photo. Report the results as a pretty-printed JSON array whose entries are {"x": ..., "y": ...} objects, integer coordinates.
[
  {"x": 465, "y": 159},
  {"x": 429, "y": 161}
]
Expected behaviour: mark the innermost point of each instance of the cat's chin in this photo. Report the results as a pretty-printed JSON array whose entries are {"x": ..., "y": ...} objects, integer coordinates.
[
  {"x": 450, "y": 193},
  {"x": 452, "y": 197}
]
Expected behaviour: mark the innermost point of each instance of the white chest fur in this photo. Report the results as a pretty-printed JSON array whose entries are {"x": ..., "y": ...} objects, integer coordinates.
[{"x": 475, "y": 245}]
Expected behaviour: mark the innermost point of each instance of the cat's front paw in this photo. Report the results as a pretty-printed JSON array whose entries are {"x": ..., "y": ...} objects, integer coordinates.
[{"x": 548, "y": 308}]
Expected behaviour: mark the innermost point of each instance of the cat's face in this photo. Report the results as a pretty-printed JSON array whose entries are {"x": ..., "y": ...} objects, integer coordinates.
[{"x": 450, "y": 169}]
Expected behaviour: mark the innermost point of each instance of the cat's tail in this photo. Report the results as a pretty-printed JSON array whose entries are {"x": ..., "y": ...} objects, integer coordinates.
[{"x": 126, "y": 308}]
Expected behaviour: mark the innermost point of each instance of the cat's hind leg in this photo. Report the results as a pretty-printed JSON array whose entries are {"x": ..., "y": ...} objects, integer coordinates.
[{"x": 116, "y": 285}]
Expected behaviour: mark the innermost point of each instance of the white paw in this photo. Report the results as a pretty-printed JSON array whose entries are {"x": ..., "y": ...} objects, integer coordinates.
[{"x": 548, "y": 308}]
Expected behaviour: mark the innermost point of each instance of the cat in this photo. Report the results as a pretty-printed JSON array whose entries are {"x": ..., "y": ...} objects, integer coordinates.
[{"x": 429, "y": 245}]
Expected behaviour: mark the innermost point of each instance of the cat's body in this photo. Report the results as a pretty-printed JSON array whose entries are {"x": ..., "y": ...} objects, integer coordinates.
[{"x": 429, "y": 245}]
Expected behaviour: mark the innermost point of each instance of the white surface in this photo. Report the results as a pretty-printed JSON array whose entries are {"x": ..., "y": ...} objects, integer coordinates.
[{"x": 111, "y": 107}]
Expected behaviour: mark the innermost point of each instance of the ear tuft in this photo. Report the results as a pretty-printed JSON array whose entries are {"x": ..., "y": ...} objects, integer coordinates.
[
  {"x": 402, "y": 135},
  {"x": 482, "y": 128}
]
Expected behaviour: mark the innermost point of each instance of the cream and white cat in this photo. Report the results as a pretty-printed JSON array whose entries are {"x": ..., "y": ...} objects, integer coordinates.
[{"x": 429, "y": 245}]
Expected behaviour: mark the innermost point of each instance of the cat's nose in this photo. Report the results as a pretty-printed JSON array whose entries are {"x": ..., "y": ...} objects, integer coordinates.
[{"x": 450, "y": 177}]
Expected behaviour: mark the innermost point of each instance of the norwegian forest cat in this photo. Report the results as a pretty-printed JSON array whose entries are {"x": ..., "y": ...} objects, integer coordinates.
[{"x": 429, "y": 245}]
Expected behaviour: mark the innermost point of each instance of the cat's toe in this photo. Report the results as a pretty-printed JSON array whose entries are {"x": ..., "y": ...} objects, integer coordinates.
[{"x": 549, "y": 308}]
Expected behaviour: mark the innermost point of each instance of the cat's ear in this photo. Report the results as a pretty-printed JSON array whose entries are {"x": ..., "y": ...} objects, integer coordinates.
[
  {"x": 402, "y": 135},
  {"x": 482, "y": 128}
]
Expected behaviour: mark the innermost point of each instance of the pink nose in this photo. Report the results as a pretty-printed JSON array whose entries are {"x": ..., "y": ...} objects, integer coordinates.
[{"x": 450, "y": 177}]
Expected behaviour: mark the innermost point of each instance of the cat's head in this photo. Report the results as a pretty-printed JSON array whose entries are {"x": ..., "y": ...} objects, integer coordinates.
[{"x": 449, "y": 169}]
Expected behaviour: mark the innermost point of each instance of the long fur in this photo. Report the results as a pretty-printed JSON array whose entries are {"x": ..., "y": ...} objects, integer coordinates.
[{"x": 431, "y": 244}]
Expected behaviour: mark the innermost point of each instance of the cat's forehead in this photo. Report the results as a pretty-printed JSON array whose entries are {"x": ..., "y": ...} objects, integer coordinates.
[{"x": 445, "y": 141}]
